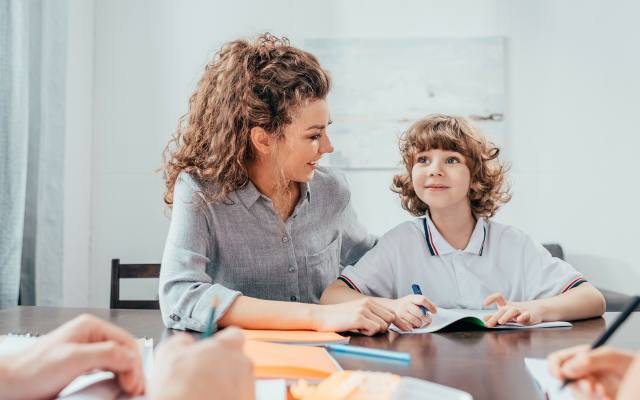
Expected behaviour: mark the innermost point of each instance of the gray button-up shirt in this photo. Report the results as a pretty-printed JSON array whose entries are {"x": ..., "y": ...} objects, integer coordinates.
[{"x": 243, "y": 247}]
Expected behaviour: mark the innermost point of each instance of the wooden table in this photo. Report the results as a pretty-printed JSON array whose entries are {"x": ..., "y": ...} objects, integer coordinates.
[{"x": 489, "y": 365}]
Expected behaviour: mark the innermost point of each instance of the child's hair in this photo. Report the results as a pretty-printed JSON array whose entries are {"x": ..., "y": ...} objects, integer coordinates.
[
  {"x": 248, "y": 84},
  {"x": 488, "y": 189}
]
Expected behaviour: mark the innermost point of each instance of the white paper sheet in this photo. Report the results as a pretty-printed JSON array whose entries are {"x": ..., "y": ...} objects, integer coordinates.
[
  {"x": 548, "y": 384},
  {"x": 271, "y": 389}
]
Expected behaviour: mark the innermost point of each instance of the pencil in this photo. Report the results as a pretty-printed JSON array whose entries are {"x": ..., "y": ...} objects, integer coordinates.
[
  {"x": 211, "y": 324},
  {"x": 635, "y": 301}
]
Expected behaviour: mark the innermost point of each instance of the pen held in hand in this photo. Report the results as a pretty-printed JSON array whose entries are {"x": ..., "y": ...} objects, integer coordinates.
[
  {"x": 635, "y": 301},
  {"x": 211, "y": 327},
  {"x": 416, "y": 290}
]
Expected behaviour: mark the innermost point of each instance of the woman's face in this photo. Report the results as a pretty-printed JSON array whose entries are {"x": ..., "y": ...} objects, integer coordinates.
[{"x": 305, "y": 141}]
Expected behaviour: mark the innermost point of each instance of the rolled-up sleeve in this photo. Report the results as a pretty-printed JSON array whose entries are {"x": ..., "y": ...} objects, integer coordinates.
[{"x": 186, "y": 291}]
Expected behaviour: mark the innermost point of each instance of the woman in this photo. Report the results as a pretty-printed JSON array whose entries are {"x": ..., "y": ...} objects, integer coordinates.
[{"x": 256, "y": 223}]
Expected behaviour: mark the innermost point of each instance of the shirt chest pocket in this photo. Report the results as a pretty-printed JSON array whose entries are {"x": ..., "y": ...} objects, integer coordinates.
[{"x": 323, "y": 268}]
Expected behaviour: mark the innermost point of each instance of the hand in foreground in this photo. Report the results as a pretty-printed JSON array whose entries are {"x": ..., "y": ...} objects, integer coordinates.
[
  {"x": 518, "y": 312},
  {"x": 81, "y": 345},
  {"x": 363, "y": 315},
  {"x": 185, "y": 368},
  {"x": 597, "y": 373},
  {"x": 408, "y": 312}
]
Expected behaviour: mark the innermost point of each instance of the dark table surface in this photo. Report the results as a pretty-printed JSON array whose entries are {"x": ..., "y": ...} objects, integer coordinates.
[{"x": 487, "y": 364}]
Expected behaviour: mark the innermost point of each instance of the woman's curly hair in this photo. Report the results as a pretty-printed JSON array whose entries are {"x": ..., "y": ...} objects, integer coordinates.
[
  {"x": 248, "y": 84},
  {"x": 488, "y": 189}
]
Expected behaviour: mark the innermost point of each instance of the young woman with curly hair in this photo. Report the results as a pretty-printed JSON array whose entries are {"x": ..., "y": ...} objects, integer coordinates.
[
  {"x": 454, "y": 183},
  {"x": 257, "y": 226}
]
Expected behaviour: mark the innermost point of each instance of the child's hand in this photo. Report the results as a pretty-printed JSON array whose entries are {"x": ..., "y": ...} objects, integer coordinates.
[
  {"x": 408, "y": 312},
  {"x": 520, "y": 313}
]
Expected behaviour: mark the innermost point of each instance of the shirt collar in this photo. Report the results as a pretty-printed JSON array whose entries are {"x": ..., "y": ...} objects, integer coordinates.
[
  {"x": 249, "y": 194},
  {"x": 438, "y": 246}
]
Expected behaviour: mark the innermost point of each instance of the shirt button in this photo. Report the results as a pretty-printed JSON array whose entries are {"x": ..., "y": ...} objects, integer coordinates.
[
  {"x": 292, "y": 269},
  {"x": 285, "y": 239},
  {"x": 174, "y": 317},
  {"x": 293, "y": 298}
]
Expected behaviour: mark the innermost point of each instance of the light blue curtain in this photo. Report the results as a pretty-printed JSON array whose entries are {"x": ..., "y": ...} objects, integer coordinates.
[{"x": 32, "y": 127}]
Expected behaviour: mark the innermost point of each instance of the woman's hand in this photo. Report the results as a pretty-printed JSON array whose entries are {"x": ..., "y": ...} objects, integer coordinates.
[
  {"x": 518, "y": 312},
  {"x": 408, "y": 312},
  {"x": 364, "y": 315},
  {"x": 597, "y": 373},
  {"x": 79, "y": 346}
]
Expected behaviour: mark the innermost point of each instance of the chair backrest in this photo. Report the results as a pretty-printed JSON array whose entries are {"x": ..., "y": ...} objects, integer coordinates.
[
  {"x": 119, "y": 271},
  {"x": 555, "y": 250}
]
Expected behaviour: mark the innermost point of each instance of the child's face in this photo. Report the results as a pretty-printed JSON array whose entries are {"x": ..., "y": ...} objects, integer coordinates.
[{"x": 441, "y": 179}]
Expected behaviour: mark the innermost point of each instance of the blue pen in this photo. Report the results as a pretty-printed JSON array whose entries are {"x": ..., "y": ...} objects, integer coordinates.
[
  {"x": 416, "y": 290},
  {"x": 367, "y": 351}
]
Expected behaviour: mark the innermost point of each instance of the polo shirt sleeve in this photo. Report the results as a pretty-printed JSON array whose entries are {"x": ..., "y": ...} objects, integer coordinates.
[
  {"x": 374, "y": 273},
  {"x": 545, "y": 275}
]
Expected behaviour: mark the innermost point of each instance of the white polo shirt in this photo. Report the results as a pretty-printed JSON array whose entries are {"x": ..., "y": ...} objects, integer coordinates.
[{"x": 498, "y": 258}]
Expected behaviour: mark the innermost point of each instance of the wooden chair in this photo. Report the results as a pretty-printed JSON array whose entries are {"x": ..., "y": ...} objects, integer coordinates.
[{"x": 119, "y": 271}]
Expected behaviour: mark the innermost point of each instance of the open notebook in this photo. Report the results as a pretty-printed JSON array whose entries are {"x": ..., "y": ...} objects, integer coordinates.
[
  {"x": 445, "y": 317},
  {"x": 547, "y": 384}
]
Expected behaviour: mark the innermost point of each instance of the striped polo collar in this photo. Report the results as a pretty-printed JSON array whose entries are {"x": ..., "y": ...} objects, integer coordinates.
[{"x": 438, "y": 246}]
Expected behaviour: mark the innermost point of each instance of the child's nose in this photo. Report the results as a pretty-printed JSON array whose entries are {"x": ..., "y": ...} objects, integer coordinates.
[{"x": 435, "y": 170}]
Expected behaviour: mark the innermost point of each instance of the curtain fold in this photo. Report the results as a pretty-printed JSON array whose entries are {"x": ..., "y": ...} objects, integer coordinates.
[{"x": 32, "y": 128}]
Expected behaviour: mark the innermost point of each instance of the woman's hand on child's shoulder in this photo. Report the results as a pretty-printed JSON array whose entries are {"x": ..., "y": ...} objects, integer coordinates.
[
  {"x": 409, "y": 315},
  {"x": 518, "y": 312},
  {"x": 364, "y": 315}
]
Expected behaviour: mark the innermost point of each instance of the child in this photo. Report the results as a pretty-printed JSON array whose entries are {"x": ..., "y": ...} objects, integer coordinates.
[{"x": 454, "y": 184}]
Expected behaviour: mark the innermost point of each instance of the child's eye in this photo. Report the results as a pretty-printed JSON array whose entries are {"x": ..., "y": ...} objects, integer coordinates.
[
  {"x": 453, "y": 160},
  {"x": 423, "y": 160},
  {"x": 317, "y": 136}
]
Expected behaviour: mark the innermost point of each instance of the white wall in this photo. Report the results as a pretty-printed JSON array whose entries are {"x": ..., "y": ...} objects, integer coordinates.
[
  {"x": 570, "y": 88},
  {"x": 573, "y": 102}
]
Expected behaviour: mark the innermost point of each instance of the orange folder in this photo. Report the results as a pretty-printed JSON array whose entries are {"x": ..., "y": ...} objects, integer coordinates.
[
  {"x": 274, "y": 360},
  {"x": 311, "y": 338}
]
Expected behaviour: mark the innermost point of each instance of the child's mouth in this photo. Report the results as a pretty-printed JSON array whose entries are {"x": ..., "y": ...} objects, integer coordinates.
[{"x": 437, "y": 187}]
